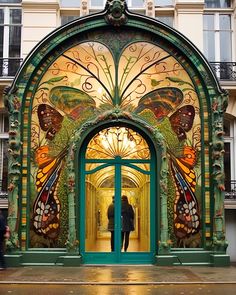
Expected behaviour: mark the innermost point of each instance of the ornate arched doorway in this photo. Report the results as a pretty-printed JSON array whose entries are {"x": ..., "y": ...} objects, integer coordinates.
[
  {"x": 118, "y": 162},
  {"x": 116, "y": 67}
]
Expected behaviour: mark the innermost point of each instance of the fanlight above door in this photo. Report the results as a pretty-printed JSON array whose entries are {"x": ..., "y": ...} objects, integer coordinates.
[{"x": 117, "y": 141}]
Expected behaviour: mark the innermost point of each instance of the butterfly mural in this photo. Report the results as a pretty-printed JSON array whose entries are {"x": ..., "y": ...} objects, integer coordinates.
[
  {"x": 46, "y": 208},
  {"x": 50, "y": 120},
  {"x": 70, "y": 101},
  {"x": 165, "y": 100},
  {"x": 162, "y": 102},
  {"x": 182, "y": 121},
  {"x": 186, "y": 209},
  {"x": 95, "y": 82}
]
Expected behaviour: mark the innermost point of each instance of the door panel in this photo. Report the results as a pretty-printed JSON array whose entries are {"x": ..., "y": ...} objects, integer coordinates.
[
  {"x": 117, "y": 166},
  {"x": 97, "y": 201},
  {"x": 103, "y": 206},
  {"x": 136, "y": 186}
]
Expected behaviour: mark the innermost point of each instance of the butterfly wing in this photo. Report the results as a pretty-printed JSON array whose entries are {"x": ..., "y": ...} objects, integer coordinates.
[
  {"x": 46, "y": 209},
  {"x": 186, "y": 211},
  {"x": 182, "y": 121},
  {"x": 161, "y": 101},
  {"x": 50, "y": 120},
  {"x": 71, "y": 101}
]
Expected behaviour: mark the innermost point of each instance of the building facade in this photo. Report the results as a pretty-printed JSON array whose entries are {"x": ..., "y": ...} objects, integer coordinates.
[{"x": 77, "y": 96}]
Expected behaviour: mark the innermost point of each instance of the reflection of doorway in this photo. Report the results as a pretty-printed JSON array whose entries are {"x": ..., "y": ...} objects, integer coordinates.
[{"x": 117, "y": 162}]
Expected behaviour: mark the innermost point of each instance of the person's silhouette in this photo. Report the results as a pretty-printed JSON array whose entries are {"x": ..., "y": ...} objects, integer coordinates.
[
  {"x": 127, "y": 223},
  {"x": 110, "y": 216}
]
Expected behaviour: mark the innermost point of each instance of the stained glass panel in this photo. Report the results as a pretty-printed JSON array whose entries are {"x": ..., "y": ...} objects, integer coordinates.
[{"x": 117, "y": 141}]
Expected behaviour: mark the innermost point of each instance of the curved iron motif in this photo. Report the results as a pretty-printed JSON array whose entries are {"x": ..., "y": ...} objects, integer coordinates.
[{"x": 83, "y": 85}]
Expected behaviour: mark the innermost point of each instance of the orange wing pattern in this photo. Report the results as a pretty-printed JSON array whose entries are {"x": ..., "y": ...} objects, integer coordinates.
[
  {"x": 186, "y": 211},
  {"x": 46, "y": 209}
]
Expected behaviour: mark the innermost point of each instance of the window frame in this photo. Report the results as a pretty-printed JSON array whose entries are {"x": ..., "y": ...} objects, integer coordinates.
[
  {"x": 218, "y": 7},
  {"x": 231, "y": 139},
  {"x": 217, "y": 12},
  {"x": 6, "y": 69}
]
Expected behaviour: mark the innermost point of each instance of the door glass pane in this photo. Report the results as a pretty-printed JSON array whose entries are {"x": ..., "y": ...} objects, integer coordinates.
[
  {"x": 99, "y": 196},
  {"x": 135, "y": 210}
]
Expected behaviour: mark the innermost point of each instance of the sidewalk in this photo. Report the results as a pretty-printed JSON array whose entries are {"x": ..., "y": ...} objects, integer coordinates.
[{"x": 119, "y": 275}]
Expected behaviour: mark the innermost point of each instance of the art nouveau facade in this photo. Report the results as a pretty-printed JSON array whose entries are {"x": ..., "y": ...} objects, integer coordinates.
[{"x": 111, "y": 104}]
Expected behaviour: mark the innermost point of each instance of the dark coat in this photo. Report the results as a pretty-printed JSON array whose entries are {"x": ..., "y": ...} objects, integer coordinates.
[
  {"x": 110, "y": 216},
  {"x": 127, "y": 215}
]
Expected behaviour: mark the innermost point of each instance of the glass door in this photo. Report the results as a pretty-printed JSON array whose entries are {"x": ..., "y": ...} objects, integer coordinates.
[
  {"x": 136, "y": 189},
  {"x": 97, "y": 201},
  {"x": 116, "y": 216}
]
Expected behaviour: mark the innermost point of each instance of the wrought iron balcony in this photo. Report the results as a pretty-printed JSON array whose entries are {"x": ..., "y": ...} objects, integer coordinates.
[
  {"x": 230, "y": 190},
  {"x": 9, "y": 66},
  {"x": 224, "y": 70}
]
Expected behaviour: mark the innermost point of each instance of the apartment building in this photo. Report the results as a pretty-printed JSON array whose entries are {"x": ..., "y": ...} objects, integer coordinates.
[{"x": 209, "y": 25}]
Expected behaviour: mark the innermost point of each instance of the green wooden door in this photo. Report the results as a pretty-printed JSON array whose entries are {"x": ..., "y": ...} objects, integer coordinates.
[{"x": 103, "y": 182}]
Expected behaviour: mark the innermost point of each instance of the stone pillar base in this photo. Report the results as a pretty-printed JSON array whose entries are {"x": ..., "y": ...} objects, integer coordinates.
[
  {"x": 13, "y": 260},
  {"x": 72, "y": 260},
  {"x": 164, "y": 260},
  {"x": 220, "y": 259}
]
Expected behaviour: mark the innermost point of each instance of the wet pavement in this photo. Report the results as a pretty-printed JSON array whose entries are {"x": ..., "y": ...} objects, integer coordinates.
[
  {"x": 119, "y": 275},
  {"x": 118, "y": 280},
  {"x": 118, "y": 290}
]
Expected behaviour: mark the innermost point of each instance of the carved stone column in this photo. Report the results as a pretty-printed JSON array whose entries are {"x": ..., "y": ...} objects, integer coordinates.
[
  {"x": 219, "y": 243},
  {"x": 13, "y": 105}
]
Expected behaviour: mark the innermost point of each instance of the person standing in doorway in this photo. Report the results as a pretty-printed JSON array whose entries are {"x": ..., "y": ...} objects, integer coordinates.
[
  {"x": 127, "y": 221},
  {"x": 2, "y": 238},
  {"x": 110, "y": 216}
]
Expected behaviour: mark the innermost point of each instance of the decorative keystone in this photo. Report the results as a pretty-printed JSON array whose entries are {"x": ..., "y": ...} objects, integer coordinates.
[{"x": 116, "y": 12}]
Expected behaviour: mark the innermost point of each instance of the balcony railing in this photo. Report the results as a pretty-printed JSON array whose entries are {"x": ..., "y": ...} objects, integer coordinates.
[
  {"x": 224, "y": 70},
  {"x": 230, "y": 190},
  {"x": 9, "y": 66}
]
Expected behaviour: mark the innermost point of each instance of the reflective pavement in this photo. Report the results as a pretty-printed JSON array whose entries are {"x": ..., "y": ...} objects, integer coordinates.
[
  {"x": 118, "y": 290},
  {"x": 135, "y": 279}
]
